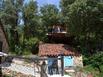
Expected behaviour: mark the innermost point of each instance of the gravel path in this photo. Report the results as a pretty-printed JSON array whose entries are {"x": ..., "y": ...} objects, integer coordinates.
[
  {"x": 20, "y": 68},
  {"x": 25, "y": 70}
]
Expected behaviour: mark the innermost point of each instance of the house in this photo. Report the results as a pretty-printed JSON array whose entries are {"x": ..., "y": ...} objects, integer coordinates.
[
  {"x": 4, "y": 46},
  {"x": 71, "y": 58},
  {"x": 58, "y": 50}
]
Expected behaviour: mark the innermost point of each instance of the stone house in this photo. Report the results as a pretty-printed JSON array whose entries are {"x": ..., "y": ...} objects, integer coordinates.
[
  {"x": 71, "y": 56},
  {"x": 58, "y": 50}
]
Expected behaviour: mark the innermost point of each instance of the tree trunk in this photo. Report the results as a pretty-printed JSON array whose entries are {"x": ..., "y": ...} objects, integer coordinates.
[{"x": 0, "y": 59}]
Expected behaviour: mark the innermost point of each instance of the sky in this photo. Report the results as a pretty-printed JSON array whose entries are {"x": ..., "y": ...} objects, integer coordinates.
[{"x": 43, "y": 2}]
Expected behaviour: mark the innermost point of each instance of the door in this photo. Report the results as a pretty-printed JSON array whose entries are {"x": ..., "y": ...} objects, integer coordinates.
[{"x": 52, "y": 66}]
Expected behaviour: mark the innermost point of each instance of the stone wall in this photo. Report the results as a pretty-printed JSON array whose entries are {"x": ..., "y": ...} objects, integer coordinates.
[{"x": 78, "y": 61}]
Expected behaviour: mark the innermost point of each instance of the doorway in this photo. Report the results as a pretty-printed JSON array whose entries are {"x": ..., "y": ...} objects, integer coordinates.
[{"x": 53, "y": 66}]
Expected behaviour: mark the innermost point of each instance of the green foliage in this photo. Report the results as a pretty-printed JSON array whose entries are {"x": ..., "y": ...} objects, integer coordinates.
[
  {"x": 97, "y": 59},
  {"x": 49, "y": 15},
  {"x": 94, "y": 64},
  {"x": 31, "y": 45},
  {"x": 9, "y": 15},
  {"x": 6, "y": 76},
  {"x": 94, "y": 71},
  {"x": 33, "y": 30},
  {"x": 30, "y": 42},
  {"x": 84, "y": 16},
  {"x": 30, "y": 19},
  {"x": 84, "y": 20}
]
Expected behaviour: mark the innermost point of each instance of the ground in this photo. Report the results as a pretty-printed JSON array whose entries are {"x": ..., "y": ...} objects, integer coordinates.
[{"x": 21, "y": 69}]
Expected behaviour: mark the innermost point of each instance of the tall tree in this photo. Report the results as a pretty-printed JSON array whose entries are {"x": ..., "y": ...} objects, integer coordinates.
[
  {"x": 84, "y": 19},
  {"x": 33, "y": 31},
  {"x": 30, "y": 18},
  {"x": 10, "y": 17},
  {"x": 65, "y": 5},
  {"x": 49, "y": 15}
]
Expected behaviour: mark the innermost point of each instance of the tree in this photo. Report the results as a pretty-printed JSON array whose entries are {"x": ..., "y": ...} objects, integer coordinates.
[
  {"x": 84, "y": 19},
  {"x": 10, "y": 17},
  {"x": 33, "y": 30},
  {"x": 65, "y": 5},
  {"x": 49, "y": 15},
  {"x": 30, "y": 18},
  {"x": 96, "y": 61}
]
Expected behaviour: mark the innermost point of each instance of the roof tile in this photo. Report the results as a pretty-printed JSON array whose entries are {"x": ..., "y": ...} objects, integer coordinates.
[{"x": 56, "y": 50}]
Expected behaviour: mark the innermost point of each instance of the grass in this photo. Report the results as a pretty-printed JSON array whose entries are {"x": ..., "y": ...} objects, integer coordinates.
[
  {"x": 6, "y": 76},
  {"x": 94, "y": 71}
]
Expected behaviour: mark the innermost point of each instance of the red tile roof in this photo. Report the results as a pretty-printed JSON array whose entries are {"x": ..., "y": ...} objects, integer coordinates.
[{"x": 56, "y": 50}]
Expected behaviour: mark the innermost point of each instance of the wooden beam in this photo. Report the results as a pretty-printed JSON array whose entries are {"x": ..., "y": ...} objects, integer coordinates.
[{"x": 62, "y": 65}]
